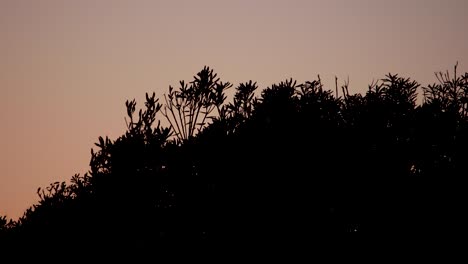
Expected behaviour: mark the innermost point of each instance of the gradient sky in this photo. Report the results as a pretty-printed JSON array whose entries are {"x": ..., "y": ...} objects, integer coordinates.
[{"x": 67, "y": 67}]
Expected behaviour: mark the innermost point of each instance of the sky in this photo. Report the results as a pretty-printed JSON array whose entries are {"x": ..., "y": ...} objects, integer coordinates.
[{"x": 67, "y": 67}]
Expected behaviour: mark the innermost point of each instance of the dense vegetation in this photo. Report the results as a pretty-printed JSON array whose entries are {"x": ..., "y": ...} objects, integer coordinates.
[{"x": 296, "y": 162}]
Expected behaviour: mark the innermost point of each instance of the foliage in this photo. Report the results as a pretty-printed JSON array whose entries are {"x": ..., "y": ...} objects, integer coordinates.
[
  {"x": 188, "y": 108},
  {"x": 450, "y": 93},
  {"x": 299, "y": 160}
]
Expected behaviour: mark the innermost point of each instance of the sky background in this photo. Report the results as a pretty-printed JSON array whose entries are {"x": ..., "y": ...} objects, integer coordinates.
[{"x": 67, "y": 67}]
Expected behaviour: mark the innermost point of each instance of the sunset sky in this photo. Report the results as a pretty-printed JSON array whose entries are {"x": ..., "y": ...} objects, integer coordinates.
[{"x": 67, "y": 67}]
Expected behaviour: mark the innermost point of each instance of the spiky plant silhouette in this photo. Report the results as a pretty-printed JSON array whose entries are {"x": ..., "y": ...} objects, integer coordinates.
[{"x": 188, "y": 108}]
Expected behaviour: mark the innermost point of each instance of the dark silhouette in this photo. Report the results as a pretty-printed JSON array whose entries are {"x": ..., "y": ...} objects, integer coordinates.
[{"x": 296, "y": 163}]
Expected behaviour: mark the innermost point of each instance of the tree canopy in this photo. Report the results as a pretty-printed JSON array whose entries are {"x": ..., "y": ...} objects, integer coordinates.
[{"x": 297, "y": 161}]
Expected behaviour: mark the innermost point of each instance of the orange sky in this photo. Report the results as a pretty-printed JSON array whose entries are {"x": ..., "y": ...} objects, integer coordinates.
[{"x": 67, "y": 67}]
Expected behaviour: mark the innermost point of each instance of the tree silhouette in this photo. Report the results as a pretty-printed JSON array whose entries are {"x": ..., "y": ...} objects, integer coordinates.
[{"x": 299, "y": 161}]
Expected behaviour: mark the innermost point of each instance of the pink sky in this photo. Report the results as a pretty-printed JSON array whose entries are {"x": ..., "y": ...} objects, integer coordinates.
[{"x": 67, "y": 67}]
